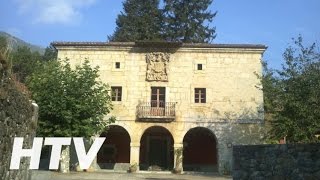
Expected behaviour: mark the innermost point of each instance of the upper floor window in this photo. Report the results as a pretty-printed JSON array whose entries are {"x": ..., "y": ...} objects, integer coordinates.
[
  {"x": 199, "y": 67},
  {"x": 158, "y": 96},
  {"x": 117, "y": 64},
  {"x": 200, "y": 95},
  {"x": 116, "y": 93}
]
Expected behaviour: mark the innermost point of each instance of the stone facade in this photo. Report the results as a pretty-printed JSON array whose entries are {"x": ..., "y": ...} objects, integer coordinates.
[
  {"x": 285, "y": 161},
  {"x": 18, "y": 118},
  {"x": 233, "y": 109}
]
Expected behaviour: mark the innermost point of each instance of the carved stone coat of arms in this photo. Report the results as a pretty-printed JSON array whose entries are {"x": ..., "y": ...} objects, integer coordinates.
[{"x": 157, "y": 66}]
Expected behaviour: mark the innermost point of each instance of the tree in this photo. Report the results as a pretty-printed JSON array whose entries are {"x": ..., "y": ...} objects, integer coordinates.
[
  {"x": 140, "y": 21},
  {"x": 72, "y": 102},
  {"x": 188, "y": 21},
  {"x": 292, "y": 95},
  {"x": 3, "y": 44},
  {"x": 24, "y": 62},
  {"x": 4, "y": 49},
  {"x": 50, "y": 53}
]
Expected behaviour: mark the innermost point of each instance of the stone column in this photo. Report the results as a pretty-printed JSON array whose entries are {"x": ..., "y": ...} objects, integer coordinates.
[
  {"x": 65, "y": 160},
  {"x": 94, "y": 165},
  {"x": 178, "y": 158},
  {"x": 134, "y": 154}
]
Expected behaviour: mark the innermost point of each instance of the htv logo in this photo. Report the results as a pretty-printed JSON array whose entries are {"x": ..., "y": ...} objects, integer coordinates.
[{"x": 34, "y": 153}]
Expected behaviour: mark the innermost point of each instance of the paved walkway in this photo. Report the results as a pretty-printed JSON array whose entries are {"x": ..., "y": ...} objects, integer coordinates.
[{"x": 49, "y": 175}]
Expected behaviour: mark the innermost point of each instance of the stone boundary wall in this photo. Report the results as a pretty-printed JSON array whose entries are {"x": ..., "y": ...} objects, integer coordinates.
[
  {"x": 280, "y": 161},
  {"x": 18, "y": 118}
]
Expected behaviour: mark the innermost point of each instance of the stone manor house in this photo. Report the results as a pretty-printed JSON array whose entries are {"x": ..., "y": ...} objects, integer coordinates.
[{"x": 178, "y": 106}]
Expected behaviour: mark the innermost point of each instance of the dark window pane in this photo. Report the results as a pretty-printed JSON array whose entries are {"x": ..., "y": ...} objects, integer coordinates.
[
  {"x": 199, "y": 66},
  {"x": 153, "y": 98},
  {"x": 117, "y": 65},
  {"x": 203, "y": 100},
  {"x": 154, "y": 90},
  {"x": 162, "y": 90}
]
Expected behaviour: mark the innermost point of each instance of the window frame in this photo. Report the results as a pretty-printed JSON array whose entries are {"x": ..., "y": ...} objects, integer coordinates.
[
  {"x": 200, "y": 95},
  {"x": 158, "y": 95},
  {"x": 116, "y": 93}
]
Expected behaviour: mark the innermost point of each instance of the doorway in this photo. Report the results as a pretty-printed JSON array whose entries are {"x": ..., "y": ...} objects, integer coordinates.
[
  {"x": 156, "y": 149},
  {"x": 200, "y": 150},
  {"x": 115, "y": 150}
]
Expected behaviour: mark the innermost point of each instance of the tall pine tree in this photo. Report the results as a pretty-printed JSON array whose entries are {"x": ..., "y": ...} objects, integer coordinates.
[
  {"x": 140, "y": 21},
  {"x": 188, "y": 21}
]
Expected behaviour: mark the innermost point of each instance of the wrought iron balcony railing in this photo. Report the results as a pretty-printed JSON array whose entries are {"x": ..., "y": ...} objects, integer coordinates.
[{"x": 156, "y": 111}]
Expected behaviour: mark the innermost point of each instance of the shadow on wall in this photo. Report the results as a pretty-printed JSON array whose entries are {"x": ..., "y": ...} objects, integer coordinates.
[
  {"x": 236, "y": 128},
  {"x": 243, "y": 127}
]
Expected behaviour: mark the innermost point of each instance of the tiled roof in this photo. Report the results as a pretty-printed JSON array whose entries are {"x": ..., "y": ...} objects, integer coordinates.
[{"x": 159, "y": 44}]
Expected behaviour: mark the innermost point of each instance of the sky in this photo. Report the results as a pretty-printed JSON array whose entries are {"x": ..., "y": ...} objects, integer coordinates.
[{"x": 270, "y": 22}]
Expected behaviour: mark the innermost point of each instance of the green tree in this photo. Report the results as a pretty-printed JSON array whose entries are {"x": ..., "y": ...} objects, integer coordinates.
[
  {"x": 50, "y": 53},
  {"x": 140, "y": 21},
  {"x": 292, "y": 95},
  {"x": 3, "y": 44},
  {"x": 5, "y": 50},
  {"x": 188, "y": 21},
  {"x": 24, "y": 62},
  {"x": 73, "y": 102}
]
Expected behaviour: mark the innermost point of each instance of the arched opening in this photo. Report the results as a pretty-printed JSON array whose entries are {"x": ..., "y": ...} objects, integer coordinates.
[
  {"x": 156, "y": 149},
  {"x": 200, "y": 150},
  {"x": 115, "y": 152}
]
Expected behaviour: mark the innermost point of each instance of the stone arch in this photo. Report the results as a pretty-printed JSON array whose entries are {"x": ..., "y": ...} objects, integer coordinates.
[
  {"x": 156, "y": 149},
  {"x": 200, "y": 152},
  {"x": 125, "y": 126},
  {"x": 115, "y": 152},
  {"x": 141, "y": 132}
]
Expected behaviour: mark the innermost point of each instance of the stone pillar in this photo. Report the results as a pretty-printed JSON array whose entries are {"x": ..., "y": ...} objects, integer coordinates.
[
  {"x": 178, "y": 158},
  {"x": 94, "y": 165},
  {"x": 65, "y": 160},
  {"x": 134, "y": 154},
  {"x": 74, "y": 163}
]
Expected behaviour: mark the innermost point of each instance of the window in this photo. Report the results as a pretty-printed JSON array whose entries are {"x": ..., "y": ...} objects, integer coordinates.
[
  {"x": 199, "y": 67},
  {"x": 116, "y": 93},
  {"x": 158, "y": 96},
  {"x": 200, "y": 95},
  {"x": 117, "y": 65}
]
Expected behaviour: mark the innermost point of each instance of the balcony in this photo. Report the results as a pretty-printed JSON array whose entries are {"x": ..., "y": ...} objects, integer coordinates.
[{"x": 156, "y": 111}]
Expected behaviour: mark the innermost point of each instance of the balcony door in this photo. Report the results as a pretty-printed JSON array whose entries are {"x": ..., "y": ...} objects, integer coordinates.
[{"x": 158, "y": 98}]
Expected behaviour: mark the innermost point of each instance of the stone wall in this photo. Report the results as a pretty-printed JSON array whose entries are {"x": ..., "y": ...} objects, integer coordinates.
[
  {"x": 285, "y": 161},
  {"x": 18, "y": 117}
]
